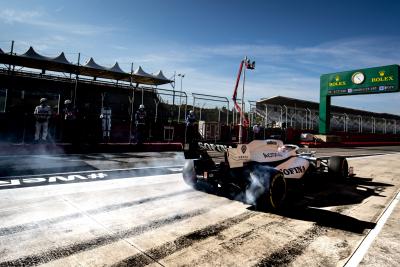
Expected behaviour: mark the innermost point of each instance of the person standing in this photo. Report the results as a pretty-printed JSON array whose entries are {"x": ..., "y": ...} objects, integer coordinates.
[
  {"x": 106, "y": 122},
  {"x": 257, "y": 131},
  {"x": 190, "y": 127},
  {"x": 140, "y": 121},
  {"x": 69, "y": 118},
  {"x": 42, "y": 114}
]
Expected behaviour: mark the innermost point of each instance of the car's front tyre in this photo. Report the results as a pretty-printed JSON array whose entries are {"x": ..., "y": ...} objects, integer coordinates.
[{"x": 338, "y": 167}]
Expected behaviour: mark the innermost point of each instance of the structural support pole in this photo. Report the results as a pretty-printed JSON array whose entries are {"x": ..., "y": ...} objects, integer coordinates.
[
  {"x": 227, "y": 114},
  {"x": 266, "y": 116},
  {"x": 310, "y": 124},
  {"x": 286, "y": 115},
  {"x": 324, "y": 114},
  {"x": 156, "y": 114},
  {"x": 11, "y": 53},
  {"x": 384, "y": 126},
  {"x": 132, "y": 101},
  {"x": 306, "y": 110},
  {"x": 344, "y": 122},
  {"x": 173, "y": 89},
  {"x": 373, "y": 125},
  {"x": 76, "y": 81}
]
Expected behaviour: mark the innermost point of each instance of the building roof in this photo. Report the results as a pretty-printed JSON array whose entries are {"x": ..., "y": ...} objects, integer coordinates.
[{"x": 301, "y": 104}]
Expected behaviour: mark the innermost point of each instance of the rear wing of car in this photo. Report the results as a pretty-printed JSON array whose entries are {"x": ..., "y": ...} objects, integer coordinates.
[{"x": 199, "y": 149}]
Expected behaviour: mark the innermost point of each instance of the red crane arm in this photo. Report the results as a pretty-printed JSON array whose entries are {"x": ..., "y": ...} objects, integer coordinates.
[{"x": 234, "y": 97}]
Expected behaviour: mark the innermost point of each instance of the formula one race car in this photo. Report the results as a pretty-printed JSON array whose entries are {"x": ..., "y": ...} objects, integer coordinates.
[{"x": 261, "y": 170}]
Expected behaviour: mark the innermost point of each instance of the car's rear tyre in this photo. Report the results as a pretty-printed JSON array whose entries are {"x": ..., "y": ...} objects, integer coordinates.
[
  {"x": 277, "y": 192},
  {"x": 338, "y": 167},
  {"x": 269, "y": 189},
  {"x": 189, "y": 173}
]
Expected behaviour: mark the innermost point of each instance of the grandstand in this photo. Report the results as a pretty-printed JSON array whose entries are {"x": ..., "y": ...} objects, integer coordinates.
[{"x": 280, "y": 111}]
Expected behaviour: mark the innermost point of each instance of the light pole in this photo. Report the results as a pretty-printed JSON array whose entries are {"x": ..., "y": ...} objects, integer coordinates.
[
  {"x": 180, "y": 96},
  {"x": 200, "y": 111}
]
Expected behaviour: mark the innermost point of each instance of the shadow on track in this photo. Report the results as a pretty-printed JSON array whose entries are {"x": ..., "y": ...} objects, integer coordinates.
[{"x": 318, "y": 194}]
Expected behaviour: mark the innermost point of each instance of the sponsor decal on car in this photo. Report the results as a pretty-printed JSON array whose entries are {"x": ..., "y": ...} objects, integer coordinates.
[
  {"x": 272, "y": 155},
  {"x": 213, "y": 147},
  {"x": 293, "y": 170}
]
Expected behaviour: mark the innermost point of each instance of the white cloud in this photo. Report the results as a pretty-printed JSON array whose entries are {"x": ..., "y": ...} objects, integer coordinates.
[
  {"x": 59, "y": 9},
  {"x": 311, "y": 60},
  {"x": 11, "y": 16},
  {"x": 280, "y": 70},
  {"x": 40, "y": 19}
]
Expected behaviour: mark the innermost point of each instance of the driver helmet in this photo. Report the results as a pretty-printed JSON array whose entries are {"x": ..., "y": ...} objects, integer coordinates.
[
  {"x": 67, "y": 102},
  {"x": 141, "y": 106},
  {"x": 191, "y": 112},
  {"x": 42, "y": 100}
]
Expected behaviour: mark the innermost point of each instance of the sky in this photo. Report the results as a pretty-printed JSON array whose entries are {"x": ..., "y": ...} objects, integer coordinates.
[{"x": 292, "y": 42}]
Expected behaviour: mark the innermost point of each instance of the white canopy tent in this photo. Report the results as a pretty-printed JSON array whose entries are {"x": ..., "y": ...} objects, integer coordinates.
[{"x": 32, "y": 59}]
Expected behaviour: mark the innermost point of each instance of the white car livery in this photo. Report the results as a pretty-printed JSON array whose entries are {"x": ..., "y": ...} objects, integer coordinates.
[{"x": 261, "y": 168}]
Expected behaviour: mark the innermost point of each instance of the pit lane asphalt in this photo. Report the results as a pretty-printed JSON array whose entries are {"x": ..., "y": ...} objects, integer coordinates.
[{"x": 157, "y": 220}]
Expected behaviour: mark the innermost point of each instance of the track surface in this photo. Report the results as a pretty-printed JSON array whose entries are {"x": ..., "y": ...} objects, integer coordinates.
[{"x": 80, "y": 211}]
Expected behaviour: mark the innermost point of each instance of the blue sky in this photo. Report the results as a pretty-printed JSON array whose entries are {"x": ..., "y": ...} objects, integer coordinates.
[{"x": 292, "y": 42}]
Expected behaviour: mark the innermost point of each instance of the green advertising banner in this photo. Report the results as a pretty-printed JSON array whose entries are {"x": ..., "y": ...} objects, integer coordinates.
[
  {"x": 376, "y": 80},
  {"x": 383, "y": 79}
]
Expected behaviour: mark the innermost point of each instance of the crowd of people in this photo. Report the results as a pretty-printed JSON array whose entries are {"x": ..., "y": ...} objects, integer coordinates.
[
  {"x": 77, "y": 126},
  {"x": 73, "y": 120}
]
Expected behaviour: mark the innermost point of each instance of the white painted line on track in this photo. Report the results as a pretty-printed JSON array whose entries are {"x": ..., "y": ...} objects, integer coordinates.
[
  {"x": 86, "y": 154},
  {"x": 92, "y": 171},
  {"x": 95, "y": 186},
  {"x": 366, "y": 243}
]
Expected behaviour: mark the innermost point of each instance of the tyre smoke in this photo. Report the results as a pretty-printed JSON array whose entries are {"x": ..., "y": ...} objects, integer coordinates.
[{"x": 258, "y": 184}]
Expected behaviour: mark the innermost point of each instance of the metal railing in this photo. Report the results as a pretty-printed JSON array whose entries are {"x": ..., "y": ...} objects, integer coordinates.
[{"x": 213, "y": 98}]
